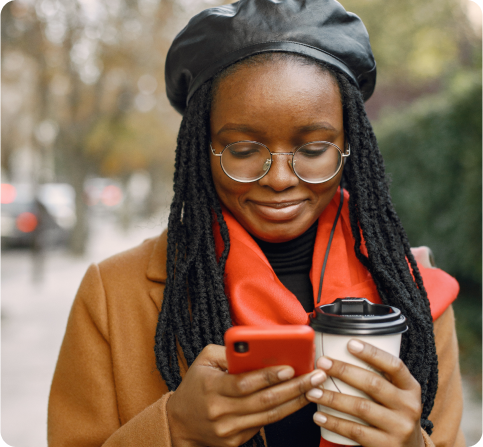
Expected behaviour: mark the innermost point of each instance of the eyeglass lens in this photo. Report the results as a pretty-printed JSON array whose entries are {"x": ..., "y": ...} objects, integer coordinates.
[{"x": 249, "y": 161}]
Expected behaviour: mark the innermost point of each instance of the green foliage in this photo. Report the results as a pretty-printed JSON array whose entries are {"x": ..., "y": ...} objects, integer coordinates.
[
  {"x": 468, "y": 327},
  {"x": 433, "y": 154},
  {"x": 417, "y": 41}
]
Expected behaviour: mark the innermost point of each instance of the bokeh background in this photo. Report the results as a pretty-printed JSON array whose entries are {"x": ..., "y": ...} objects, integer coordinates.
[{"x": 88, "y": 141}]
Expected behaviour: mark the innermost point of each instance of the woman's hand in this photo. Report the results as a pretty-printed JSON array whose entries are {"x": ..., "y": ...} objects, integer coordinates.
[
  {"x": 394, "y": 417},
  {"x": 214, "y": 408}
]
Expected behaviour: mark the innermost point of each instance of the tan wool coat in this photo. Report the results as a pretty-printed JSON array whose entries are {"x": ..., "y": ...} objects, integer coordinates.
[{"x": 106, "y": 390}]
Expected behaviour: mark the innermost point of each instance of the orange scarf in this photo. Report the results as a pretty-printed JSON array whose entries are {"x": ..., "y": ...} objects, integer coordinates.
[{"x": 257, "y": 297}]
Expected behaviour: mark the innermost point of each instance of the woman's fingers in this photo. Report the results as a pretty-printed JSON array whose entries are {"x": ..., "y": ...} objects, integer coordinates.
[
  {"x": 389, "y": 393},
  {"x": 362, "y": 434},
  {"x": 401, "y": 433},
  {"x": 389, "y": 364},
  {"x": 270, "y": 398},
  {"x": 246, "y": 384},
  {"x": 274, "y": 414},
  {"x": 370, "y": 412},
  {"x": 234, "y": 415},
  {"x": 375, "y": 386},
  {"x": 238, "y": 385}
]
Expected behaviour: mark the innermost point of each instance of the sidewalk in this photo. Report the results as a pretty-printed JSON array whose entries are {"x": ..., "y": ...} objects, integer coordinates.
[{"x": 472, "y": 414}]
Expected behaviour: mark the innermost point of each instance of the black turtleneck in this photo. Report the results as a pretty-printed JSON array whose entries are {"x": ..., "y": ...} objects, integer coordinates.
[{"x": 291, "y": 262}]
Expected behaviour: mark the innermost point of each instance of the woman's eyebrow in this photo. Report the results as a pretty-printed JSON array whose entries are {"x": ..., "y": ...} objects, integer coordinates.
[
  {"x": 323, "y": 125},
  {"x": 230, "y": 127}
]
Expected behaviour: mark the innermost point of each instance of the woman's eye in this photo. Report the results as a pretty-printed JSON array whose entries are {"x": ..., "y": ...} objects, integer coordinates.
[
  {"x": 243, "y": 153},
  {"x": 313, "y": 152}
]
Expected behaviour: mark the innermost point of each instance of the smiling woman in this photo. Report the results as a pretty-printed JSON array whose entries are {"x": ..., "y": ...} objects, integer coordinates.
[{"x": 281, "y": 204}]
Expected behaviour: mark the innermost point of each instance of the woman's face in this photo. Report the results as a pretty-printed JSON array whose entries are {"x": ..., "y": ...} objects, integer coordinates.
[{"x": 283, "y": 105}]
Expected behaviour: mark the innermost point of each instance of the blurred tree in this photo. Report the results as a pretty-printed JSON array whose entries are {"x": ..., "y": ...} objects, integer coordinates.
[{"x": 98, "y": 79}]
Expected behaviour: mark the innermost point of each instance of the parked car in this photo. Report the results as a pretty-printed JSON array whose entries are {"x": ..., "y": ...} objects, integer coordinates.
[
  {"x": 103, "y": 195},
  {"x": 36, "y": 218}
]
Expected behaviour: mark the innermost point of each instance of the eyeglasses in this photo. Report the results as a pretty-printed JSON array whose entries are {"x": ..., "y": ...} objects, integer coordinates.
[{"x": 249, "y": 161}]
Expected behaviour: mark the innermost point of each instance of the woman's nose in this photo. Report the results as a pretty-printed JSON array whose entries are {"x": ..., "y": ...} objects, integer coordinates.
[{"x": 281, "y": 175}]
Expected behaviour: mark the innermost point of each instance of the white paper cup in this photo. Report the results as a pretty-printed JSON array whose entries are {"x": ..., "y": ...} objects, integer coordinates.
[{"x": 343, "y": 320}]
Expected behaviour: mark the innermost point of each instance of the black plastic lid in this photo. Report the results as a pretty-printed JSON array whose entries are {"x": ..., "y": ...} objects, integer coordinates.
[{"x": 357, "y": 316}]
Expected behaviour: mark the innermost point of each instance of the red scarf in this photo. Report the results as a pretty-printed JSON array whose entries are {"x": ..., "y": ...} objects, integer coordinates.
[{"x": 257, "y": 297}]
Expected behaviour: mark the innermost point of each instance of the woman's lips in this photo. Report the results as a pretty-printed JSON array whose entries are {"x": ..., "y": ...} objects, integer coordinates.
[{"x": 279, "y": 210}]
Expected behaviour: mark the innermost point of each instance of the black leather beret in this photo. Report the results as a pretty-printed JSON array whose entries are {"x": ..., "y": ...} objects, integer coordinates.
[{"x": 221, "y": 36}]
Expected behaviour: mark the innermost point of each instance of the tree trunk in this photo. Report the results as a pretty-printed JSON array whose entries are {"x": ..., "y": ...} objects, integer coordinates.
[{"x": 80, "y": 232}]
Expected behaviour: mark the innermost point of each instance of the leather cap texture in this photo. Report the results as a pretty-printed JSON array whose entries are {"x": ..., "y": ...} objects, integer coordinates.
[{"x": 221, "y": 36}]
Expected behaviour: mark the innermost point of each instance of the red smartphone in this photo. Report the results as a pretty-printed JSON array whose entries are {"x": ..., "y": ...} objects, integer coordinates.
[{"x": 255, "y": 347}]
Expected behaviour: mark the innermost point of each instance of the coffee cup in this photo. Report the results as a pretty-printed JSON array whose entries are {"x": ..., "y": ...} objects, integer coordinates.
[{"x": 345, "y": 319}]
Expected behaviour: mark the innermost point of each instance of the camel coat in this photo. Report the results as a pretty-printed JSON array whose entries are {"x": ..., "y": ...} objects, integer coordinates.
[{"x": 106, "y": 390}]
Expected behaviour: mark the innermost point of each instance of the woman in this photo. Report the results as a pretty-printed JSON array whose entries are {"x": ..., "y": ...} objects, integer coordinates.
[{"x": 261, "y": 231}]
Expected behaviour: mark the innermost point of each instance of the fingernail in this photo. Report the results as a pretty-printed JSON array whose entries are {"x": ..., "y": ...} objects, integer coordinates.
[
  {"x": 318, "y": 378},
  {"x": 315, "y": 393},
  {"x": 355, "y": 346},
  {"x": 320, "y": 418},
  {"x": 324, "y": 363},
  {"x": 285, "y": 374}
]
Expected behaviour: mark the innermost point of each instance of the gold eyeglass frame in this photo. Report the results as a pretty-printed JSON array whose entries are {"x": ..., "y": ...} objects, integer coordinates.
[{"x": 291, "y": 162}]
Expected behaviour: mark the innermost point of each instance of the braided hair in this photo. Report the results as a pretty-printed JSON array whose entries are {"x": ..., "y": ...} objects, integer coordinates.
[{"x": 195, "y": 309}]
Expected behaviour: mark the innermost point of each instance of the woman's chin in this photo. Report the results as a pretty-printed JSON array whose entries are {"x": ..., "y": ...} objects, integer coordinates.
[{"x": 279, "y": 230}]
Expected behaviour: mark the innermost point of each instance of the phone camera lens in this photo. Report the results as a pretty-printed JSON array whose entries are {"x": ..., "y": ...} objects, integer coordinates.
[{"x": 241, "y": 347}]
